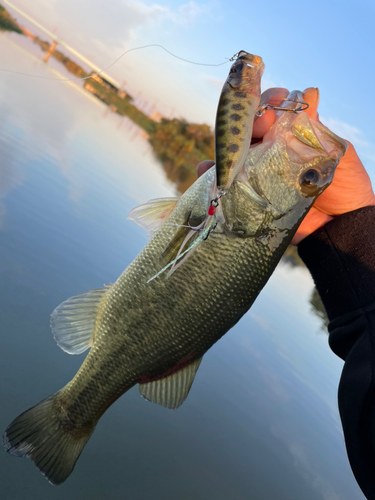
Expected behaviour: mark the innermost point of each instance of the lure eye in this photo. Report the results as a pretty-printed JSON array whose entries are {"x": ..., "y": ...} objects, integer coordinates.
[
  {"x": 311, "y": 177},
  {"x": 237, "y": 68}
]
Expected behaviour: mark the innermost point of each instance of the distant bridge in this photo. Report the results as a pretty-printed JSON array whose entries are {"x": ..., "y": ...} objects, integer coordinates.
[{"x": 58, "y": 41}]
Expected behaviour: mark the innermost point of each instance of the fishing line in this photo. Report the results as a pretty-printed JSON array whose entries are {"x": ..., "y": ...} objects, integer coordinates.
[{"x": 112, "y": 64}]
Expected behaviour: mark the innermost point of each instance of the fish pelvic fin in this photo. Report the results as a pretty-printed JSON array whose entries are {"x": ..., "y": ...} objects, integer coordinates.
[
  {"x": 153, "y": 214},
  {"x": 172, "y": 390},
  {"x": 73, "y": 322},
  {"x": 44, "y": 434}
]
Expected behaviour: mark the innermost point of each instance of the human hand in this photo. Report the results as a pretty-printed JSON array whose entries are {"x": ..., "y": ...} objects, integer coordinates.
[
  {"x": 262, "y": 124},
  {"x": 351, "y": 187}
]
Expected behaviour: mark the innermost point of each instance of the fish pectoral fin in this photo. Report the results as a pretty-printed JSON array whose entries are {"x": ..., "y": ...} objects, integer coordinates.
[
  {"x": 181, "y": 239},
  {"x": 73, "y": 321},
  {"x": 154, "y": 213},
  {"x": 171, "y": 391}
]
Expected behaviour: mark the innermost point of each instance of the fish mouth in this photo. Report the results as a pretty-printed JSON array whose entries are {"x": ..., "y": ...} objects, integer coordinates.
[
  {"x": 312, "y": 145},
  {"x": 309, "y": 139},
  {"x": 304, "y": 127},
  {"x": 334, "y": 145}
]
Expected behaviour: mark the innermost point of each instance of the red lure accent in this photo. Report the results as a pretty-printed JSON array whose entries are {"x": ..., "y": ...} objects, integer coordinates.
[{"x": 211, "y": 210}]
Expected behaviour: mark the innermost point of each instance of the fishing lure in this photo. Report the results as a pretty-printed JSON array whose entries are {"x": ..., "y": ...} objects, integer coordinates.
[{"x": 238, "y": 104}]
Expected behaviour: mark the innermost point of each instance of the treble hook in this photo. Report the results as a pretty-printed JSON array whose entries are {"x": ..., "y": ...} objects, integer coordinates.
[
  {"x": 261, "y": 110},
  {"x": 215, "y": 201}
]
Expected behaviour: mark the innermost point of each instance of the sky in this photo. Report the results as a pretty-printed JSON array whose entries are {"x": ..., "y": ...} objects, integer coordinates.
[{"x": 322, "y": 44}]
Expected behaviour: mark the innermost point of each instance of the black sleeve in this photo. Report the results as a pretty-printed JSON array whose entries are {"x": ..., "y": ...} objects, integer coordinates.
[{"x": 341, "y": 259}]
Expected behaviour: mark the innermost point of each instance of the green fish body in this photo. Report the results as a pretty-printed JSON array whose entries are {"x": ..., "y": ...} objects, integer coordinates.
[{"x": 155, "y": 333}]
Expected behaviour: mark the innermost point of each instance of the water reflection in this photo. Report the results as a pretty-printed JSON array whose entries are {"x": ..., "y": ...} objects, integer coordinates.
[
  {"x": 261, "y": 420},
  {"x": 178, "y": 145},
  {"x": 292, "y": 258},
  {"x": 318, "y": 308},
  {"x": 10, "y": 176}
]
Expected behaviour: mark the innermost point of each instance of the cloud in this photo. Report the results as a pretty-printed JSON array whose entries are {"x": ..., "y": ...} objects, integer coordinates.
[
  {"x": 10, "y": 178},
  {"x": 212, "y": 80},
  {"x": 301, "y": 461},
  {"x": 268, "y": 84},
  {"x": 187, "y": 13},
  {"x": 103, "y": 32},
  {"x": 346, "y": 131},
  {"x": 115, "y": 25},
  {"x": 365, "y": 149}
]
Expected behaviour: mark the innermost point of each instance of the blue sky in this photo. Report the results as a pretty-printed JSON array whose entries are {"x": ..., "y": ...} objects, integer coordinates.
[{"x": 329, "y": 45}]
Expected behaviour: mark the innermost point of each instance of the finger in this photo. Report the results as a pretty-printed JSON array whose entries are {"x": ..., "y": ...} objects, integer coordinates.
[
  {"x": 274, "y": 96},
  {"x": 203, "y": 166},
  {"x": 351, "y": 187},
  {"x": 263, "y": 124},
  {"x": 311, "y": 96}
]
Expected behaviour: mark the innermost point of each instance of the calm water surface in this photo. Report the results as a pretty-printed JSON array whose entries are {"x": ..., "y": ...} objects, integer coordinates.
[{"x": 261, "y": 420}]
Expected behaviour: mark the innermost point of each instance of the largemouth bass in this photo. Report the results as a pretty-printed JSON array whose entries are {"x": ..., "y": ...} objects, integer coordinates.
[{"x": 155, "y": 333}]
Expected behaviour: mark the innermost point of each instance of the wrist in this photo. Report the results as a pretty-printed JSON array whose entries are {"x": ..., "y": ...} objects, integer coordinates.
[
  {"x": 341, "y": 260},
  {"x": 313, "y": 221}
]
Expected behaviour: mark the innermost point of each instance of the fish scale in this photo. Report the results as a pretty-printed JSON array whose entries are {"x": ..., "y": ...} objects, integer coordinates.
[
  {"x": 155, "y": 333},
  {"x": 152, "y": 333}
]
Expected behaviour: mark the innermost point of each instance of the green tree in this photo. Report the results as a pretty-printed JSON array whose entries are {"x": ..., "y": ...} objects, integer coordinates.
[{"x": 180, "y": 146}]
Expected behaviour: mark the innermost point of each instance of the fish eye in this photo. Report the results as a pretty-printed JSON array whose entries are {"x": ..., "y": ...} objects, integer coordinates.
[
  {"x": 237, "y": 68},
  {"x": 311, "y": 177}
]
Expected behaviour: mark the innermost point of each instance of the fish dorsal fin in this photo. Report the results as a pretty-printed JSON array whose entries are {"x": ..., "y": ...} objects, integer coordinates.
[
  {"x": 154, "y": 213},
  {"x": 73, "y": 321},
  {"x": 171, "y": 391}
]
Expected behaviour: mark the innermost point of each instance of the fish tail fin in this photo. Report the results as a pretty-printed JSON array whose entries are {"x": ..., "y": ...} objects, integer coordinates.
[{"x": 44, "y": 434}]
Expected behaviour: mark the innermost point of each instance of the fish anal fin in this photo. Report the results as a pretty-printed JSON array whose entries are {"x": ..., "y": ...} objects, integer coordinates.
[
  {"x": 154, "y": 213},
  {"x": 172, "y": 390},
  {"x": 73, "y": 321}
]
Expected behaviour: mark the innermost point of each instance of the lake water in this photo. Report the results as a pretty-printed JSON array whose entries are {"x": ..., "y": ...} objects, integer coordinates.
[{"x": 261, "y": 420}]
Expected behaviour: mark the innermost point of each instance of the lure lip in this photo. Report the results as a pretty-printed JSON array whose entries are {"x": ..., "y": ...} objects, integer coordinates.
[{"x": 251, "y": 59}]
